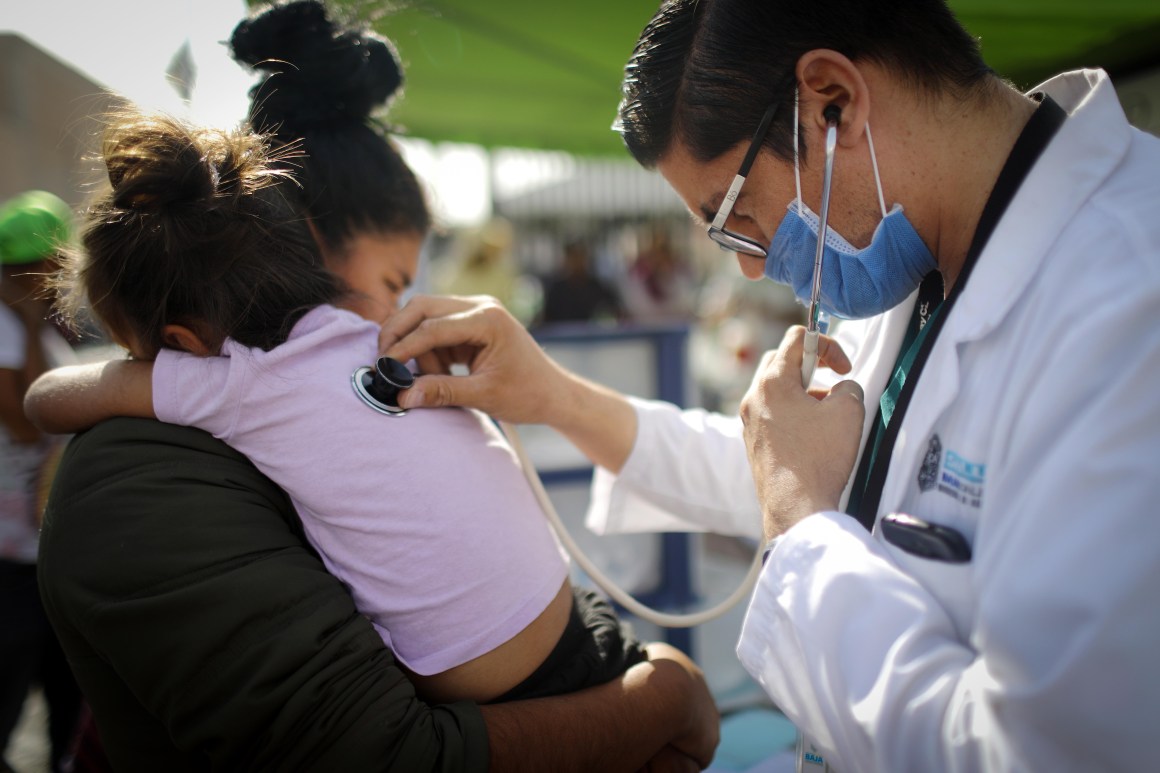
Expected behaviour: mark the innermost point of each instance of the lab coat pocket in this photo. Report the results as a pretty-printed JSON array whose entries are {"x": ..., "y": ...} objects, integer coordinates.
[{"x": 951, "y": 584}]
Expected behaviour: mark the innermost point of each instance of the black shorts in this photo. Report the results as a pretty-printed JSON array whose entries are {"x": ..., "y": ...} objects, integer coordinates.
[{"x": 595, "y": 648}]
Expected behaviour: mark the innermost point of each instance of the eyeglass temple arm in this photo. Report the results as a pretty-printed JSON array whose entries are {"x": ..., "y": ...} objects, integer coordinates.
[
  {"x": 730, "y": 196},
  {"x": 746, "y": 165}
]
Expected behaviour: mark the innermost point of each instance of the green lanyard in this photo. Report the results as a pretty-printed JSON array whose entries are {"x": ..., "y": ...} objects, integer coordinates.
[{"x": 926, "y": 308}]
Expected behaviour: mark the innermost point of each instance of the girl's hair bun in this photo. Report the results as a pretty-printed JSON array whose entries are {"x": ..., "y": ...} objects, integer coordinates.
[
  {"x": 317, "y": 72},
  {"x": 152, "y": 169},
  {"x": 158, "y": 165},
  {"x": 201, "y": 228}
]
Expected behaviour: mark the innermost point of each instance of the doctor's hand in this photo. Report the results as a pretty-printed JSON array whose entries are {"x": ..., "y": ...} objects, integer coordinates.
[
  {"x": 510, "y": 376},
  {"x": 801, "y": 446}
]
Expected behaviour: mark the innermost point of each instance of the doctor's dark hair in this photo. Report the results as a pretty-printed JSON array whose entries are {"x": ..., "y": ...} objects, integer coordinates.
[
  {"x": 194, "y": 229},
  {"x": 321, "y": 85},
  {"x": 704, "y": 71}
]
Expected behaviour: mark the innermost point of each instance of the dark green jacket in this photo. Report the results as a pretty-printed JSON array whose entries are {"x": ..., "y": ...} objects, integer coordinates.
[{"x": 204, "y": 631}]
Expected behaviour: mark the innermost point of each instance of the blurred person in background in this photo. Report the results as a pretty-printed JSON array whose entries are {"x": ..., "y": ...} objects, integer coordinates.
[
  {"x": 33, "y": 227},
  {"x": 737, "y": 322},
  {"x": 575, "y": 293},
  {"x": 659, "y": 285},
  {"x": 485, "y": 266}
]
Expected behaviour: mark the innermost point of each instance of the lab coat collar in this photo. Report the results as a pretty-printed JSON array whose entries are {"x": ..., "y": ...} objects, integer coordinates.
[{"x": 1084, "y": 152}]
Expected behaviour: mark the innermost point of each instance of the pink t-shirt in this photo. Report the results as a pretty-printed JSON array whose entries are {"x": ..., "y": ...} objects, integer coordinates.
[{"x": 426, "y": 517}]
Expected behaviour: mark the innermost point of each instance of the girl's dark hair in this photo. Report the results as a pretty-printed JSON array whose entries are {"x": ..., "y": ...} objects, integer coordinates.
[
  {"x": 195, "y": 229},
  {"x": 704, "y": 71},
  {"x": 322, "y": 83}
]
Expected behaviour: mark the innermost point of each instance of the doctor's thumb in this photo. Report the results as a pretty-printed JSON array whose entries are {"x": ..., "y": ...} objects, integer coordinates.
[{"x": 433, "y": 392}]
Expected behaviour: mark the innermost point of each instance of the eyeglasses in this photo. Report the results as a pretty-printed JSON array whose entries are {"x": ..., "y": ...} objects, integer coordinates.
[{"x": 727, "y": 240}]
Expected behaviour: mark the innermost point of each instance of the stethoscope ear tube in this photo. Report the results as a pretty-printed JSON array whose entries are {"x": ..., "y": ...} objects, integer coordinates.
[
  {"x": 618, "y": 594},
  {"x": 810, "y": 352}
]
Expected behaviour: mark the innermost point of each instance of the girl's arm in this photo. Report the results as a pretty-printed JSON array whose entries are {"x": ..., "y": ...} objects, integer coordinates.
[{"x": 75, "y": 398}]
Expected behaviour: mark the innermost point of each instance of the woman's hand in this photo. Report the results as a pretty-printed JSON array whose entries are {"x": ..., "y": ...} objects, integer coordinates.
[
  {"x": 670, "y": 760},
  {"x": 658, "y": 713},
  {"x": 801, "y": 446},
  {"x": 698, "y": 738}
]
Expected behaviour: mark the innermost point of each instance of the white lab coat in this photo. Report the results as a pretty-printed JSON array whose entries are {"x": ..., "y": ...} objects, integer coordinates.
[{"x": 1042, "y": 653}]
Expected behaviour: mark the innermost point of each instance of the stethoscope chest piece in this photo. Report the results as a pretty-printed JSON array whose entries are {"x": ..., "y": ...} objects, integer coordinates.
[{"x": 379, "y": 387}]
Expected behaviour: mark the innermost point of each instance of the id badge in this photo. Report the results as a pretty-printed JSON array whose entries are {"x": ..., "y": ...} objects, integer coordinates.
[{"x": 810, "y": 758}]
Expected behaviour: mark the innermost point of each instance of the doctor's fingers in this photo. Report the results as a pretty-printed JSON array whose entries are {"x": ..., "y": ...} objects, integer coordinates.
[
  {"x": 455, "y": 334},
  {"x": 442, "y": 390},
  {"x": 439, "y": 361},
  {"x": 423, "y": 307},
  {"x": 840, "y": 421},
  {"x": 780, "y": 368},
  {"x": 848, "y": 388},
  {"x": 511, "y": 378},
  {"x": 488, "y": 388},
  {"x": 848, "y": 400},
  {"x": 830, "y": 355},
  {"x": 783, "y": 364}
]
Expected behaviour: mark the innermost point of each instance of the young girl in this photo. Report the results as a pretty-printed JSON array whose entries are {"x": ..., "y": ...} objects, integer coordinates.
[{"x": 198, "y": 264}]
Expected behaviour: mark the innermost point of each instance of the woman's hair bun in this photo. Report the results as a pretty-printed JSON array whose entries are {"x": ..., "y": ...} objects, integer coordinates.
[{"x": 317, "y": 72}]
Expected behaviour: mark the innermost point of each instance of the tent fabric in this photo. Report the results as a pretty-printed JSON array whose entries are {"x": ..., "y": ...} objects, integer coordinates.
[{"x": 536, "y": 74}]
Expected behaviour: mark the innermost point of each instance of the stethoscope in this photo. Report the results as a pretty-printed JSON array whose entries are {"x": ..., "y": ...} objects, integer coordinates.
[{"x": 379, "y": 388}]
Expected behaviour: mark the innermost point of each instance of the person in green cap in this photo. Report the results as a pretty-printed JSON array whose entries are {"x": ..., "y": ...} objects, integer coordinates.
[{"x": 33, "y": 226}]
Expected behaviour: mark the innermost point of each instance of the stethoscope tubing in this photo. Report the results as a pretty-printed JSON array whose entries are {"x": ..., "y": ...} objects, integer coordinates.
[
  {"x": 605, "y": 583},
  {"x": 810, "y": 348}
]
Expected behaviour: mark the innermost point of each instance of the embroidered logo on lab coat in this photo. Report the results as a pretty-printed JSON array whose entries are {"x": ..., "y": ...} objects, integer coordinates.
[
  {"x": 952, "y": 474},
  {"x": 928, "y": 472}
]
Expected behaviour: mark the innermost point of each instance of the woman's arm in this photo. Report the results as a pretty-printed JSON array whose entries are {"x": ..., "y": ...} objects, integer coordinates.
[
  {"x": 75, "y": 398},
  {"x": 206, "y": 632},
  {"x": 616, "y": 726}
]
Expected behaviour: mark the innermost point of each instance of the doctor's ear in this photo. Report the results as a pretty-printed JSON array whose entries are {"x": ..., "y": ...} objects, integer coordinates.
[{"x": 828, "y": 79}]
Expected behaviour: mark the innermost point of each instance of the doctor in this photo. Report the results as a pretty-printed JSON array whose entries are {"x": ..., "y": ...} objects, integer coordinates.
[{"x": 1000, "y": 255}]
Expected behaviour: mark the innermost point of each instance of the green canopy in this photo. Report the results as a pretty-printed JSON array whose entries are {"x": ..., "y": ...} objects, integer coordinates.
[{"x": 546, "y": 73}]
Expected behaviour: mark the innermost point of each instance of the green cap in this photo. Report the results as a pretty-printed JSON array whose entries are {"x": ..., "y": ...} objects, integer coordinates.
[{"x": 33, "y": 226}]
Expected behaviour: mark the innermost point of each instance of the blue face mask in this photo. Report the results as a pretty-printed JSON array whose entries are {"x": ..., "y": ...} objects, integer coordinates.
[{"x": 855, "y": 283}]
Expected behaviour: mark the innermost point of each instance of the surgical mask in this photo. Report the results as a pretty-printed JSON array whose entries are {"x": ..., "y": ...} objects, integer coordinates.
[{"x": 855, "y": 283}]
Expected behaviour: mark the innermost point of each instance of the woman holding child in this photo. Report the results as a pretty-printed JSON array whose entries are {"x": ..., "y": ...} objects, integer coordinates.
[{"x": 202, "y": 627}]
